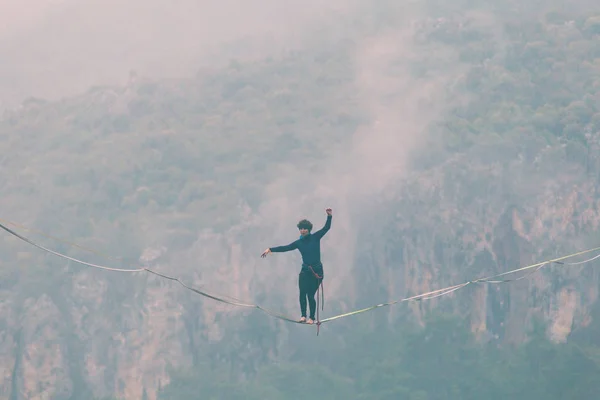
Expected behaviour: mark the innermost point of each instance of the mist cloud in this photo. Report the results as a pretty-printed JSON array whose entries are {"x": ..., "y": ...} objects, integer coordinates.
[
  {"x": 55, "y": 48},
  {"x": 400, "y": 107}
]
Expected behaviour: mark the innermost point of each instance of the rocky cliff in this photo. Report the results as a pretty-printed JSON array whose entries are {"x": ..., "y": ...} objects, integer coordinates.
[
  {"x": 105, "y": 335},
  {"x": 179, "y": 176}
]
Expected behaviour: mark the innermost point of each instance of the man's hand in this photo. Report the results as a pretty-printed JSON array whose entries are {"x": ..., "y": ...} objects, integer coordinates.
[
  {"x": 264, "y": 254},
  {"x": 328, "y": 211}
]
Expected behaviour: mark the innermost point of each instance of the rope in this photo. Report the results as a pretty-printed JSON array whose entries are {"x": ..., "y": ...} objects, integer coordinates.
[
  {"x": 423, "y": 296},
  {"x": 206, "y": 294},
  {"x": 64, "y": 256},
  {"x": 120, "y": 259},
  {"x": 580, "y": 262},
  {"x": 488, "y": 279}
]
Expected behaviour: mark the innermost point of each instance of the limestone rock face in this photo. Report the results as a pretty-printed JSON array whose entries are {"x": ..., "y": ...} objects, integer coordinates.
[{"x": 103, "y": 334}]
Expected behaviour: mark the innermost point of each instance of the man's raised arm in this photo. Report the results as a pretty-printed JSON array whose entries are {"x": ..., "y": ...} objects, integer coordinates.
[{"x": 320, "y": 233}]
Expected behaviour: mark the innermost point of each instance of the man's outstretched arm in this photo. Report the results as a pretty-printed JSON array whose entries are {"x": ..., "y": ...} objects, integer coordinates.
[
  {"x": 280, "y": 249},
  {"x": 320, "y": 233}
]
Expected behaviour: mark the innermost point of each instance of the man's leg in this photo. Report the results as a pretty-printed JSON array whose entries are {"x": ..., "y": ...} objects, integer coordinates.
[
  {"x": 314, "y": 285},
  {"x": 302, "y": 288}
]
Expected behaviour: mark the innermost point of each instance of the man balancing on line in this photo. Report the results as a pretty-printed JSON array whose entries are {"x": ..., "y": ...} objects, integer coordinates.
[{"x": 311, "y": 274}]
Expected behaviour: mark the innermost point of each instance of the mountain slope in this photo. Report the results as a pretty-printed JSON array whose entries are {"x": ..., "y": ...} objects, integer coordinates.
[{"x": 450, "y": 147}]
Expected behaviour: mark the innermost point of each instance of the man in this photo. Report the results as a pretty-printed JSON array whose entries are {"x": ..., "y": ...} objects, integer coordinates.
[{"x": 311, "y": 274}]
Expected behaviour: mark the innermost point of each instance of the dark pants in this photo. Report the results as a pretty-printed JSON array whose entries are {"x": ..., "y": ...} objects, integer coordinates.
[{"x": 308, "y": 284}]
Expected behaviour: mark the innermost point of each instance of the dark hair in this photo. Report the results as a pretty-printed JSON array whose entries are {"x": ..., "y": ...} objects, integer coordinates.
[{"x": 305, "y": 224}]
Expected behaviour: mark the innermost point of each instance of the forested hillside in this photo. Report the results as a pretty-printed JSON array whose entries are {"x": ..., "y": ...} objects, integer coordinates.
[{"x": 452, "y": 142}]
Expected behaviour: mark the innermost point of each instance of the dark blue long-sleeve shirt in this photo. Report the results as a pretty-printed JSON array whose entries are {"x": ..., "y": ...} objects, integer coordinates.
[{"x": 309, "y": 246}]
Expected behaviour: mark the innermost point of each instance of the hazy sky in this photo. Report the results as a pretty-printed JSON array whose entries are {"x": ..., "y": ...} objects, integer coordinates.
[{"x": 51, "y": 48}]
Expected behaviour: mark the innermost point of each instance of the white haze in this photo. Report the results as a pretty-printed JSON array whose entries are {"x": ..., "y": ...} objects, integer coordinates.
[
  {"x": 55, "y": 48},
  {"x": 357, "y": 175},
  {"x": 351, "y": 178}
]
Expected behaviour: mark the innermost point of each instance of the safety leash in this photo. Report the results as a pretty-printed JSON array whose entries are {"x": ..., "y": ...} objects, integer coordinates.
[{"x": 320, "y": 289}]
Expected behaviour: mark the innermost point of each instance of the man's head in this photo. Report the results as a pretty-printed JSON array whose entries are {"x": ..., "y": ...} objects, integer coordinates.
[{"x": 305, "y": 226}]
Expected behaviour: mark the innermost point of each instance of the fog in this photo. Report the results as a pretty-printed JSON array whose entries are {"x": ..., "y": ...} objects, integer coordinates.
[
  {"x": 56, "y": 48},
  {"x": 351, "y": 179},
  {"x": 63, "y": 48}
]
